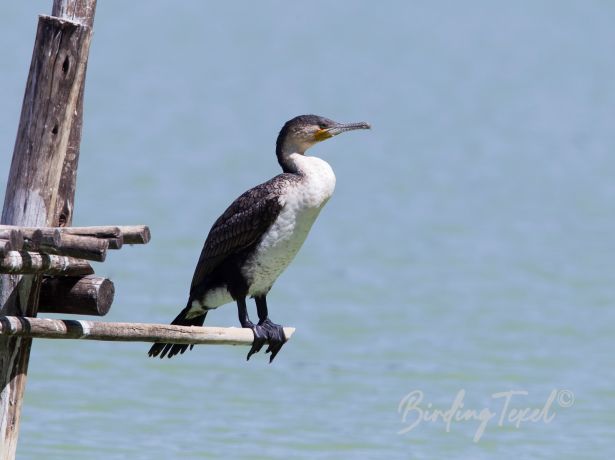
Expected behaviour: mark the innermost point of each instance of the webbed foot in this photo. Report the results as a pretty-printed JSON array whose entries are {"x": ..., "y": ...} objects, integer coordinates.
[{"x": 266, "y": 331}]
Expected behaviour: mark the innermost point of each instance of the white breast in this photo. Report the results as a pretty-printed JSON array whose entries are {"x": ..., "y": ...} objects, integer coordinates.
[{"x": 302, "y": 202}]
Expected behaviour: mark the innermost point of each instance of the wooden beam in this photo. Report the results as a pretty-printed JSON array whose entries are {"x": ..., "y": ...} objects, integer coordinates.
[
  {"x": 88, "y": 295},
  {"x": 80, "y": 247},
  {"x": 136, "y": 234},
  {"x": 36, "y": 187},
  {"x": 112, "y": 234},
  {"x": 34, "y": 263},
  {"x": 36, "y": 238},
  {"x": 126, "y": 332},
  {"x": 33, "y": 236},
  {"x": 53, "y": 241},
  {"x": 129, "y": 234},
  {"x": 115, "y": 235}
]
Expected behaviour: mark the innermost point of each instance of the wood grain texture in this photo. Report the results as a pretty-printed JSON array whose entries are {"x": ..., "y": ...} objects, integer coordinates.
[
  {"x": 10, "y": 244},
  {"x": 88, "y": 295},
  {"x": 128, "y": 234},
  {"x": 79, "y": 11},
  {"x": 33, "y": 190},
  {"x": 35, "y": 263},
  {"x": 14, "y": 238},
  {"x": 127, "y": 332},
  {"x": 50, "y": 99},
  {"x": 117, "y": 235},
  {"x": 81, "y": 247}
]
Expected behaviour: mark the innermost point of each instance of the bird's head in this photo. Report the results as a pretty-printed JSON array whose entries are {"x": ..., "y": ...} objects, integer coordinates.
[{"x": 302, "y": 132}]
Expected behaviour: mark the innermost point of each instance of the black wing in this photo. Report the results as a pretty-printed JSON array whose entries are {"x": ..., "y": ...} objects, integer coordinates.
[{"x": 241, "y": 225}]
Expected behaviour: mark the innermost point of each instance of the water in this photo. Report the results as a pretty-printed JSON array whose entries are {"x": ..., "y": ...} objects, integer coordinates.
[{"x": 468, "y": 247}]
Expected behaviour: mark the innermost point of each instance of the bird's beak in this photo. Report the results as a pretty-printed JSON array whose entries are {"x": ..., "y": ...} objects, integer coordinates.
[{"x": 339, "y": 128}]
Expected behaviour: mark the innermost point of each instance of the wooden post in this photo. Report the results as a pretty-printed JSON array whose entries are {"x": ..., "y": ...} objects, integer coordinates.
[
  {"x": 80, "y": 11},
  {"x": 41, "y": 181}
]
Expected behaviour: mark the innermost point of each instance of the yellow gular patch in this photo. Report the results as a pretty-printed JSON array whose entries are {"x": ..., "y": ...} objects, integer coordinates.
[{"x": 322, "y": 134}]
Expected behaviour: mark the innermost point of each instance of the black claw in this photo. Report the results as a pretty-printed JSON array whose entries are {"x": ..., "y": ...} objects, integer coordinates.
[
  {"x": 260, "y": 338},
  {"x": 266, "y": 331}
]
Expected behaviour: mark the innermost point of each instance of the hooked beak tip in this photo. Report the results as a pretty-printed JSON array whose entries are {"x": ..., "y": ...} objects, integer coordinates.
[{"x": 343, "y": 127}]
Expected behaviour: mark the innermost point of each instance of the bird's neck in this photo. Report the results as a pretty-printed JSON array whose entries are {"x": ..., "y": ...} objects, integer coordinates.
[
  {"x": 317, "y": 180},
  {"x": 291, "y": 159},
  {"x": 290, "y": 153},
  {"x": 298, "y": 163}
]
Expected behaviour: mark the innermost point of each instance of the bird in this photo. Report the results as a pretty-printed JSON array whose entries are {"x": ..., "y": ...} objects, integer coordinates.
[{"x": 260, "y": 233}]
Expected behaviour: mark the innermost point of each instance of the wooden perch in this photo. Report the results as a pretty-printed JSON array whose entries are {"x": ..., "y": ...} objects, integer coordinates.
[
  {"x": 24, "y": 262},
  {"x": 126, "y": 332},
  {"x": 89, "y": 295}
]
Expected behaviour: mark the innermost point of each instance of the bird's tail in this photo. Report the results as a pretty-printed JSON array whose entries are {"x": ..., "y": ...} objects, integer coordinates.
[{"x": 172, "y": 349}]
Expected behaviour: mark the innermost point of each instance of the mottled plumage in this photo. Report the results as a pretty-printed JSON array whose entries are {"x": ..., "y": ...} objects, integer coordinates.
[{"x": 241, "y": 226}]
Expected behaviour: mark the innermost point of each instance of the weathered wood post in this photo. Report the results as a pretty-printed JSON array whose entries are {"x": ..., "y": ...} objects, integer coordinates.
[
  {"x": 41, "y": 185},
  {"x": 36, "y": 236}
]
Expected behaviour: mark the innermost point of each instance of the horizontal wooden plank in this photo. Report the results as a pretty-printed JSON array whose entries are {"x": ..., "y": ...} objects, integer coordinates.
[{"x": 126, "y": 332}]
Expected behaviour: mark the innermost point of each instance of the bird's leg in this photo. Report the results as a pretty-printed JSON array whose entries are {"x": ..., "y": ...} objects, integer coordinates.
[
  {"x": 265, "y": 331},
  {"x": 260, "y": 335},
  {"x": 242, "y": 310},
  {"x": 274, "y": 332}
]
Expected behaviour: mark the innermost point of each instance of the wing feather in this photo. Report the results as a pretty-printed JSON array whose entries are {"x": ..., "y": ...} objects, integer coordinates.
[{"x": 241, "y": 225}]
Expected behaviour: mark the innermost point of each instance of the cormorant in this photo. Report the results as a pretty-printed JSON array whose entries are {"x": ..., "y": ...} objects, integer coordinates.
[{"x": 260, "y": 233}]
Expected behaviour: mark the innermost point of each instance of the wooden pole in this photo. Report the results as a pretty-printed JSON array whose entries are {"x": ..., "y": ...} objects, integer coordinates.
[
  {"x": 129, "y": 234},
  {"x": 82, "y": 12},
  {"x": 41, "y": 182},
  {"x": 126, "y": 332},
  {"x": 35, "y": 263},
  {"x": 87, "y": 295},
  {"x": 80, "y": 247}
]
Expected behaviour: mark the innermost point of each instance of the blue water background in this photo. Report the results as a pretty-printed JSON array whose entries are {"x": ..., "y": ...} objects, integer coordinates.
[{"x": 469, "y": 245}]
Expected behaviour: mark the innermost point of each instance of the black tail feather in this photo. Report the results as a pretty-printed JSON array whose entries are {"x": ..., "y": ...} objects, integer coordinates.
[{"x": 171, "y": 349}]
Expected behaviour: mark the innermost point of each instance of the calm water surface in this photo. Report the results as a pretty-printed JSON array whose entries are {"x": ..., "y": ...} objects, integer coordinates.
[{"x": 469, "y": 245}]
